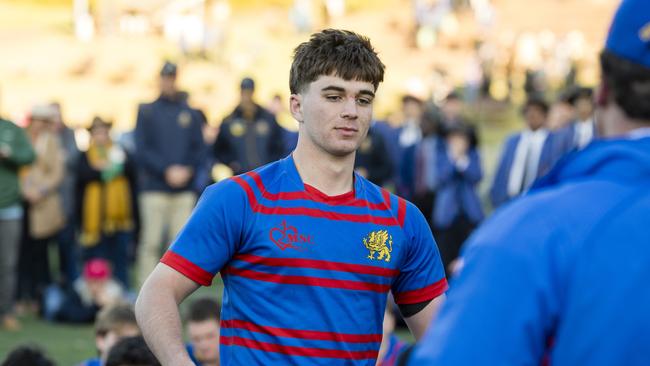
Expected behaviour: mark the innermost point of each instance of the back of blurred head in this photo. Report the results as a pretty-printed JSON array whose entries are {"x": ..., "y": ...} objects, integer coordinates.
[
  {"x": 112, "y": 324},
  {"x": 622, "y": 97},
  {"x": 27, "y": 355},
  {"x": 131, "y": 351},
  {"x": 203, "y": 329}
]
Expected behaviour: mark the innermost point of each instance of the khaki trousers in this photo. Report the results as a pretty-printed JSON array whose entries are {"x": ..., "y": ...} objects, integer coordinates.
[{"x": 160, "y": 210}]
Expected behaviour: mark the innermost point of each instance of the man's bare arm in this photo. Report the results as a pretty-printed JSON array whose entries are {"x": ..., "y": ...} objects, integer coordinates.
[
  {"x": 158, "y": 316},
  {"x": 419, "y": 322}
]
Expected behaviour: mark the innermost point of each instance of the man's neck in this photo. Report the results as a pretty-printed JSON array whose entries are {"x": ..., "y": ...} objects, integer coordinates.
[
  {"x": 329, "y": 174},
  {"x": 613, "y": 122}
]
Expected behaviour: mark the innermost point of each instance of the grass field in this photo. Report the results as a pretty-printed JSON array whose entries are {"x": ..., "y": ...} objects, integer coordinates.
[{"x": 70, "y": 344}]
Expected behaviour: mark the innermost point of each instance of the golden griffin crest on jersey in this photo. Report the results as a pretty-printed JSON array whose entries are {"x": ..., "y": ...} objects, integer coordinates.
[{"x": 379, "y": 242}]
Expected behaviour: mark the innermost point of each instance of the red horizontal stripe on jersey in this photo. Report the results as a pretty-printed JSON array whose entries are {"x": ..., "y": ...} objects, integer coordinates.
[
  {"x": 302, "y": 334},
  {"x": 187, "y": 268},
  {"x": 424, "y": 294},
  {"x": 307, "y": 281},
  {"x": 297, "y": 351},
  {"x": 318, "y": 196},
  {"x": 312, "y": 212},
  {"x": 317, "y": 264}
]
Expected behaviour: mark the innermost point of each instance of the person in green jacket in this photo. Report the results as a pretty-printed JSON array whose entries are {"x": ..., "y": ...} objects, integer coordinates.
[{"x": 15, "y": 152}]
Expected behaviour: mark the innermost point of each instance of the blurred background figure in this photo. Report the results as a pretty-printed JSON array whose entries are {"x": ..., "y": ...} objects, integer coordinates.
[
  {"x": 131, "y": 351},
  {"x": 40, "y": 184},
  {"x": 457, "y": 209},
  {"x": 526, "y": 155},
  {"x": 27, "y": 355},
  {"x": 202, "y": 325},
  {"x": 372, "y": 160},
  {"x": 15, "y": 152},
  {"x": 408, "y": 135},
  {"x": 106, "y": 193},
  {"x": 90, "y": 293},
  {"x": 582, "y": 129},
  {"x": 250, "y": 136},
  {"x": 561, "y": 112},
  {"x": 66, "y": 238},
  {"x": 420, "y": 164},
  {"x": 169, "y": 145},
  {"x": 112, "y": 324}
]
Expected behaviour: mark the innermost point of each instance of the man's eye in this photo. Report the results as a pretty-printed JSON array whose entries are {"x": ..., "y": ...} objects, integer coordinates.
[{"x": 364, "y": 101}]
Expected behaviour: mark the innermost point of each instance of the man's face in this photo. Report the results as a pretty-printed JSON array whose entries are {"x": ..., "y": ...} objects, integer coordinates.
[
  {"x": 452, "y": 108},
  {"x": 412, "y": 110},
  {"x": 334, "y": 114},
  {"x": 204, "y": 336},
  {"x": 584, "y": 108},
  {"x": 168, "y": 85},
  {"x": 535, "y": 117},
  {"x": 247, "y": 96},
  {"x": 100, "y": 135}
]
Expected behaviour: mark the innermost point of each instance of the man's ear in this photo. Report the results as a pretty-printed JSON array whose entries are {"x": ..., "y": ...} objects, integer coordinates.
[
  {"x": 601, "y": 94},
  {"x": 295, "y": 106}
]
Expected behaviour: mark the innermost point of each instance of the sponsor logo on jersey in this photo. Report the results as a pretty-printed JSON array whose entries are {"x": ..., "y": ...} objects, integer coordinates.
[
  {"x": 379, "y": 244},
  {"x": 287, "y": 236}
]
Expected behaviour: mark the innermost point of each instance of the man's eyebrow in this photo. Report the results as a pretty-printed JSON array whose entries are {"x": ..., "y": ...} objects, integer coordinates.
[{"x": 342, "y": 90}]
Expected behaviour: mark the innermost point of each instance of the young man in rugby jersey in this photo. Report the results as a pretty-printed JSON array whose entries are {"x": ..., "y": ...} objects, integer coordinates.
[{"x": 307, "y": 249}]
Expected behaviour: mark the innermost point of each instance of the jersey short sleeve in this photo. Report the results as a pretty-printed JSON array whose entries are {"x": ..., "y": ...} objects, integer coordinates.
[
  {"x": 212, "y": 234},
  {"x": 422, "y": 275}
]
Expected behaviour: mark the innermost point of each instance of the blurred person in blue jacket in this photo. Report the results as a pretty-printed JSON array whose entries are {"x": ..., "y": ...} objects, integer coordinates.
[
  {"x": 250, "y": 136},
  {"x": 562, "y": 273},
  {"x": 419, "y": 164},
  {"x": 457, "y": 208},
  {"x": 526, "y": 155},
  {"x": 169, "y": 145},
  {"x": 372, "y": 161},
  {"x": 582, "y": 129}
]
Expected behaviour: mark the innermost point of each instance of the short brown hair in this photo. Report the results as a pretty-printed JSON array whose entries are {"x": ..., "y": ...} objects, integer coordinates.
[
  {"x": 113, "y": 317},
  {"x": 333, "y": 51}
]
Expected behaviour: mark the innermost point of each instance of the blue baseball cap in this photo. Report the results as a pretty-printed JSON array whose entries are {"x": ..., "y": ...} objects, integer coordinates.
[{"x": 629, "y": 34}]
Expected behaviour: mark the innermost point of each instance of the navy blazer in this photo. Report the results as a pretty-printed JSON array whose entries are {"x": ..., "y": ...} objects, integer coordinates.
[
  {"x": 551, "y": 152},
  {"x": 456, "y": 192}
]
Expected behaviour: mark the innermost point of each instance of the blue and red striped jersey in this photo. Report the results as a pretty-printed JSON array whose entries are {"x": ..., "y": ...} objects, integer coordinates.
[{"x": 306, "y": 275}]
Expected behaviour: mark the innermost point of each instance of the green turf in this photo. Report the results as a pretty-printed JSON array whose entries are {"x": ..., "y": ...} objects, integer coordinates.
[{"x": 70, "y": 344}]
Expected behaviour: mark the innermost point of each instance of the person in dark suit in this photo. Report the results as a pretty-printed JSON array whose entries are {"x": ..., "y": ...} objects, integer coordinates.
[
  {"x": 372, "y": 160},
  {"x": 169, "y": 145},
  {"x": 457, "y": 210},
  {"x": 526, "y": 155},
  {"x": 250, "y": 136},
  {"x": 420, "y": 164}
]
